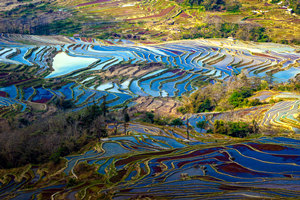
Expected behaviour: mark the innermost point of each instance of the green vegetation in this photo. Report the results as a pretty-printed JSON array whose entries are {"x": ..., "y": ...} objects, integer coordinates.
[
  {"x": 34, "y": 141},
  {"x": 65, "y": 26},
  {"x": 224, "y": 30},
  {"x": 233, "y": 6},
  {"x": 238, "y": 98},
  {"x": 235, "y": 129},
  {"x": 215, "y": 5},
  {"x": 292, "y": 86},
  {"x": 223, "y": 96},
  {"x": 295, "y": 5},
  {"x": 202, "y": 124},
  {"x": 176, "y": 122},
  {"x": 64, "y": 104},
  {"x": 232, "y": 94},
  {"x": 246, "y": 20},
  {"x": 149, "y": 118}
]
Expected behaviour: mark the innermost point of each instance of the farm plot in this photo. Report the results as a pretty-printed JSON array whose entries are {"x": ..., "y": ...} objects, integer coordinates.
[
  {"x": 157, "y": 165},
  {"x": 96, "y": 66},
  {"x": 283, "y": 114},
  {"x": 280, "y": 115}
]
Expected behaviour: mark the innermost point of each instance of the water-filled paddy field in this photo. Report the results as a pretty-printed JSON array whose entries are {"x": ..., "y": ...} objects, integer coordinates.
[
  {"x": 156, "y": 166},
  {"x": 152, "y": 161},
  {"x": 82, "y": 61}
]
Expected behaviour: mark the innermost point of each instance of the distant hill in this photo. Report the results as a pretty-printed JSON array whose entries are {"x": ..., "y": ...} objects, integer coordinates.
[{"x": 163, "y": 20}]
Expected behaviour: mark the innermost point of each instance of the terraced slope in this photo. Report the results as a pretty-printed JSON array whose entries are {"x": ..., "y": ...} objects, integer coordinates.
[
  {"x": 151, "y": 165},
  {"x": 86, "y": 71},
  {"x": 281, "y": 115}
]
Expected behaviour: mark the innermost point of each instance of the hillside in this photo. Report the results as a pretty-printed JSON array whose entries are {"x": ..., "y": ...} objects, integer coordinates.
[
  {"x": 110, "y": 115},
  {"x": 167, "y": 99},
  {"x": 162, "y": 20}
]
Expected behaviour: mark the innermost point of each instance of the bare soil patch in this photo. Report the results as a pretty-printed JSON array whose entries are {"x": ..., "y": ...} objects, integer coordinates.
[{"x": 160, "y": 106}]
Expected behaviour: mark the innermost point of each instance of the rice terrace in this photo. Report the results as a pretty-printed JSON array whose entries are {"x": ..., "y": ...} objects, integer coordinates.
[{"x": 143, "y": 99}]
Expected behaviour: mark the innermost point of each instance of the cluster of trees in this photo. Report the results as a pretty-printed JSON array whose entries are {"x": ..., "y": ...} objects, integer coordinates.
[
  {"x": 51, "y": 137},
  {"x": 239, "y": 98},
  {"x": 64, "y": 26},
  {"x": 215, "y": 5},
  {"x": 235, "y": 129},
  {"x": 234, "y": 5},
  {"x": 292, "y": 85},
  {"x": 224, "y": 96},
  {"x": 149, "y": 117},
  {"x": 113, "y": 35},
  {"x": 221, "y": 30}
]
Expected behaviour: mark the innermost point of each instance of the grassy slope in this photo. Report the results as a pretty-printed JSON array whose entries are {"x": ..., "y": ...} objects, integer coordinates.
[
  {"x": 152, "y": 20},
  {"x": 169, "y": 20}
]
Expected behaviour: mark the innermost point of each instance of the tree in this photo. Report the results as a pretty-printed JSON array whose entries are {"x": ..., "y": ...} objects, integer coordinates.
[
  {"x": 89, "y": 115},
  {"x": 187, "y": 128},
  {"x": 234, "y": 129},
  {"x": 233, "y": 6},
  {"x": 237, "y": 98},
  {"x": 182, "y": 110},
  {"x": 254, "y": 102},
  {"x": 204, "y": 106},
  {"x": 176, "y": 122},
  {"x": 103, "y": 107},
  {"x": 269, "y": 78},
  {"x": 264, "y": 85},
  {"x": 63, "y": 104},
  {"x": 116, "y": 124},
  {"x": 126, "y": 119},
  {"x": 219, "y": 127},
  {"x": 258, "y": 34},
  {"x": 295, "y": 5},
  {"x": 149, "y": 117},
  {"x": 255, "y": 127},
  {"x": 100, "y": 129},
  {"x": 201, "y": 124}
]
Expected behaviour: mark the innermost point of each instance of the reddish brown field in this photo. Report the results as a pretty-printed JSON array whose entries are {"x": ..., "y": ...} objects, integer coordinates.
[{"x": 267, "y": 147}]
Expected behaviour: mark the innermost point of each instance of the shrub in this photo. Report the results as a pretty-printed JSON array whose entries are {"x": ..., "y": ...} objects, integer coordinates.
[
  {"x": 235, "y": 129},
  {"x": 204, "y": 106},
  {"x": 258, "y": 34},
  {"x": 176, "y": 122},
  {"x": 72, "y": 182},
  {"x": 64, "y": 104},
  {"x": 233, "y": 6},
  {"x": 161, "y": 121},
  {"x": 201, "y": 124},
  {"x": 238, "y": 98},
  {"x": 62, "y": 151},
  {"x": 182, "y": 110},
  {"x": 149, "y": 118},
  {"x": 254, "y": 102}
]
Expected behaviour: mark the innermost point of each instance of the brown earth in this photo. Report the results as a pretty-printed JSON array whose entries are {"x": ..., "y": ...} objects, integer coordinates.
[{"x": 160, "y": 106}]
